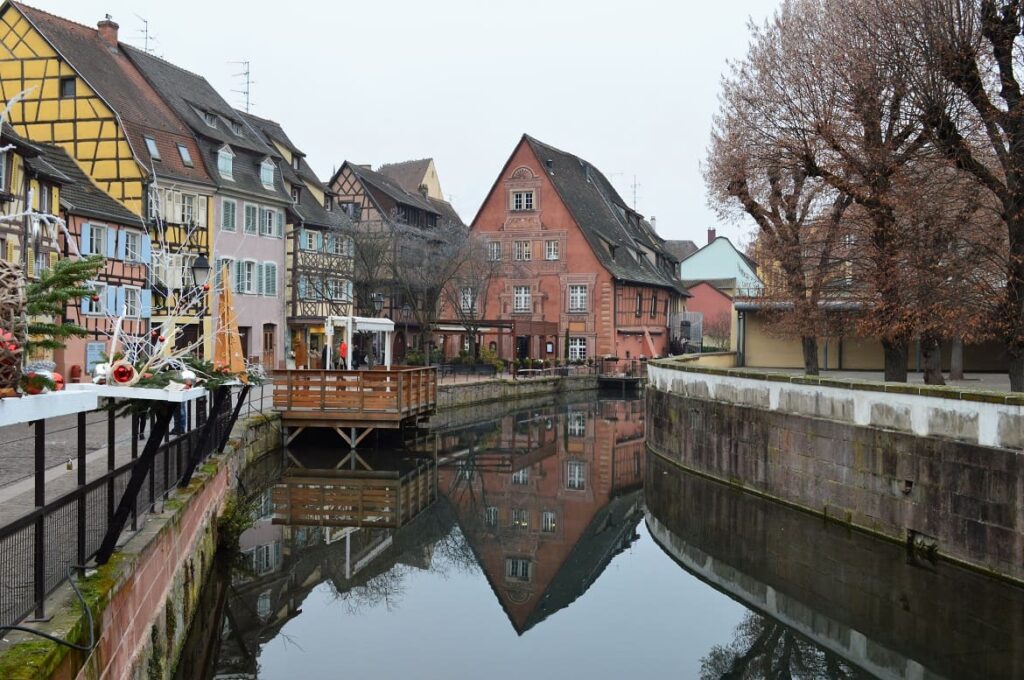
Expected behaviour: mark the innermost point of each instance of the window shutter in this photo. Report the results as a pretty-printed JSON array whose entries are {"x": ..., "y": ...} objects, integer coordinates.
[
  {"x": 53, "y": 259},
  {"x": 239, "y": 276},
  {"x": 31, "y": 258},
  {"x": 111, "y": 298},
  {"x": 302, "y": 239},
  {"x": 145, "y": 250},
  {"x": 319, "y": 241},
  {"x": 302, "y": 287},
  {"x": 118, "y": 300},
  {"x": 271, "y": 285},
  {"x": 201, "y": 207},
  {"x": 83, "y": 247},
  {"x": 111, "y": 243},
  {"x": 145, "y": 303},
  {"x": 122, "y": 237},
  {"x": 280, "y": 223},
  {"x": 176, "y": 209},
  {"x": 259, "y": 273},
  {"x": 87, "y": 304}
]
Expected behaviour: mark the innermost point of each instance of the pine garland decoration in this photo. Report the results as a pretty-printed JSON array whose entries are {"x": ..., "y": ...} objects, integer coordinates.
[{"x": 48, "y": 297}]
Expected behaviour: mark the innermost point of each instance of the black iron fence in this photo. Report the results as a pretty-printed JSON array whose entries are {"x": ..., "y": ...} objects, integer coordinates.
[{"x": 37, "y": 548}]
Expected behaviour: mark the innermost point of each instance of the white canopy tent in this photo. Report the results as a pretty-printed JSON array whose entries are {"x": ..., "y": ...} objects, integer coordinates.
[{"x": 351, "y": 325}]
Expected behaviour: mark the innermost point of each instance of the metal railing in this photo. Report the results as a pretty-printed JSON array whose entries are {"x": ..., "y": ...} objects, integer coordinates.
[{"x": 37, "y": 549}]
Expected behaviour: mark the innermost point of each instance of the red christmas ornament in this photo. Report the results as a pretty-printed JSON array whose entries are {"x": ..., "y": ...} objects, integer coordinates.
[
  {"x": 161, "y": 338},
  {"x": 58, "y": 382},
  {"x": 123, "y": 373},
  {"x": 206, "y": 286},
  {"x": 95, "y": 298}
]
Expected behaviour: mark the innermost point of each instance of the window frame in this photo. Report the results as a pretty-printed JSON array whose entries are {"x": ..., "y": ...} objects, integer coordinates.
[
  {"x": 93, "y": 230},
  {"x": 523, "y": 200},
  {"x": 225, "y": 153},
  {"x": 467, "y": 295},
  {"x": 136, "y": 291},
  {"x": 548, "y": 521},
  {"x": 129, "y": 255},
  {"x": 61, "y": 91},
  {"x": 494, "y": 251},
  {"x": 151, "y": 147},
  {"x": 245, "y": 219},
  {"x": 266, "y": 165},
  {"x": 267, "y": 264},
  {"x": 575, "y": 475},
  {"x": 268, "y": 222},
  {"x": 551, "y": 251},
  {"x": 186, "y": 156},
  {"x": 518, "y": 569},
  {"x": 578, "y": 294},
  {"x": 526, "y": 295},
  {"x": 224, "y": 202},
  {"x": 577, "y": 348},
  {"x": 98, "y": 307},
  {"x": 522, "y": 251},
  {"x": 249, "y": 268},
  {"x": 521, "y": 477}
]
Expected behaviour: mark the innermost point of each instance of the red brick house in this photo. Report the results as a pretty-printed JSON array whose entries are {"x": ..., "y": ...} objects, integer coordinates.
[{"x": 579, "y": 265}]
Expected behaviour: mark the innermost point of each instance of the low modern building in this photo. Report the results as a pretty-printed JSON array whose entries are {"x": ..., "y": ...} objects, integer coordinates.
[
  {"x": 720, "y": 261},
  {"x": 583, "y": 274}
]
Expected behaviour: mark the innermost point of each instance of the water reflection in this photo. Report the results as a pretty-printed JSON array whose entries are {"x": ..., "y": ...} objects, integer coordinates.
[{"x": 472, "y": 543}]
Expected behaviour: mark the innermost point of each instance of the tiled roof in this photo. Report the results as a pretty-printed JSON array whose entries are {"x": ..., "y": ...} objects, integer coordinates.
[
  {"x": 721, "y": 285},
  {"x": 604, "y": 218},
  {"x": 274, "y": 132},
  {"x": 447, "y": 211},
  {"x": 314, "y": 214},
  {"x": 680, "y": 250},
  {"x": 191, "y": 97},
  {"x": 116, "y": 80},
  {"x": 80, "y": 196},
  {"x": 407, "y": 174},
  {"x": 390, "y": 188}
]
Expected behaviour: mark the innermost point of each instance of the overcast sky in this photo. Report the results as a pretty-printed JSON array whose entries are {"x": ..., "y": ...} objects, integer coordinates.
[{"x": 629, "y": 85}]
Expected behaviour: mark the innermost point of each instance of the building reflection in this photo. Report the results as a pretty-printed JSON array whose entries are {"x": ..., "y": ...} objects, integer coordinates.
[{"x": 546, "y": 499}]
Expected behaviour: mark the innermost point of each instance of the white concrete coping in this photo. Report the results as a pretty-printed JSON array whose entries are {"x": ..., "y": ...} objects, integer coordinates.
[
  {"x": 985, "y": 418},
  {"x": 144, "y": 393},
  {"x": 28, "y": 408}
]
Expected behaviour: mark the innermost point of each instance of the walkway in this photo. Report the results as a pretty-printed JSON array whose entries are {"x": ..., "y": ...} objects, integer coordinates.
[{"x": 977, "y": 381}]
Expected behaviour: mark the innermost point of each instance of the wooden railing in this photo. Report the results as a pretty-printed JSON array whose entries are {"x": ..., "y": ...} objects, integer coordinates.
[
  {"x": 353, "y": 498},
  {"x": 399, "y": 392}
]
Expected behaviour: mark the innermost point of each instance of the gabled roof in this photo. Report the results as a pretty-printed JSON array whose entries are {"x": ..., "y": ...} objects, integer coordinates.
[
  {"x": 388, "y": 187},
  {"x": 114, "y": 78},
  {"x": 407, "y": 174},
  {"x": 275, "y": 133},
  {"x": 312, "y": 213},
  {"x": 743, "y": 256},
  {"x": 680, "y": 250},
  {"x": 33, "y": 156},
  {"x": 720, "y": 285},
  {"x": 604, "y": 218},
  {"x": 79, "y": 196},
  {"x": 192, "y": 97}
]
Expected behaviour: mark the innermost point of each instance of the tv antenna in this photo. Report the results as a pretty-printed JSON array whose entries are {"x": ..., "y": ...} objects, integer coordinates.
[
  {"x": 247, "y": 82},
  {"x": 146, "y": 36}
]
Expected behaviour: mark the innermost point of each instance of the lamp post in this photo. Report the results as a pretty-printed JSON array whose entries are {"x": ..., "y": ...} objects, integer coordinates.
[
  {"x": 200, "y": 271},
  {"x": 378, "y": 305}
]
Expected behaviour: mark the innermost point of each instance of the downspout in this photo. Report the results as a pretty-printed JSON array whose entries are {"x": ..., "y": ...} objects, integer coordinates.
[{"x": 741, "y": 346}]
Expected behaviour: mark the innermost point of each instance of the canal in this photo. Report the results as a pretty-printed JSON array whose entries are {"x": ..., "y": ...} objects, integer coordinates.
[{"x": 549, "y": 543}]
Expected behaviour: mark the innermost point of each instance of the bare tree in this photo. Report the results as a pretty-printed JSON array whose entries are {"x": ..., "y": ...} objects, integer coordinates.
[
  {"x": 467, "y": 292},
  {"x": 967, "y": 87}
]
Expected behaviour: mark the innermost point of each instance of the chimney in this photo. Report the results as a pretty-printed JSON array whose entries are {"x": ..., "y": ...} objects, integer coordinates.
[
  {"x": 654, "y": 223},
  {"x": 108, "y": 31},
  {"x": 423, "y": 190},
  {"x": 712, "y": 234}
]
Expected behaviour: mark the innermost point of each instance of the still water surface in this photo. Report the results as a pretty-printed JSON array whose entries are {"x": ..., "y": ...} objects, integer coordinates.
[{"x": 547, "y": 543}]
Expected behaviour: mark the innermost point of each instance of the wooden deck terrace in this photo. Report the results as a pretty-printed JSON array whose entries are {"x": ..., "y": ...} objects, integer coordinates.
[
  {"x": 353, "y": 498},
  {"x": 369, "y": 398}
]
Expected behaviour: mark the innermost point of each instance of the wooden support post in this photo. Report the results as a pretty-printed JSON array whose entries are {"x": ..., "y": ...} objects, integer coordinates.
[
  {"x": 81, "y": 490},
  {"x": 39, "y": 580}
]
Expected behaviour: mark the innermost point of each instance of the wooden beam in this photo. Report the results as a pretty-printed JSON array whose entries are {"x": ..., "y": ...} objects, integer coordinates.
[{"x": 293, "y": 434}]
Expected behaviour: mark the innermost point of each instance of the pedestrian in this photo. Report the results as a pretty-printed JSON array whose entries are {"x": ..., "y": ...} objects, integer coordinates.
[
  {"x": 323, "y": 357},
  {"x": 343, "y": 353}
]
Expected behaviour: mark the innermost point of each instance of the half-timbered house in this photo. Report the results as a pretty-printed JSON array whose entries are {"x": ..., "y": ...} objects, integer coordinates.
[
  {"x": 318, "y": 254},
  {"x": 250, "y": 207},
  {"x": 99, "y": 225},
  {"x": 584, "y": 275},
  {"x": 384, "y": 214},
  {"x": 81, "y": 92},
  {"x": 27, "y": 180}
]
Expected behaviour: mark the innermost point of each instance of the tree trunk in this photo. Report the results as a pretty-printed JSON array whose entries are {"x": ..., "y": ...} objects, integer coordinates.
[
  {"x": 1017, "y": 372},
  {"x": 931, "y": 350},
  {"x": 956, "y": 359},
  {"x": 895, "y": 360},
  {"x": 810, "y": 348}
]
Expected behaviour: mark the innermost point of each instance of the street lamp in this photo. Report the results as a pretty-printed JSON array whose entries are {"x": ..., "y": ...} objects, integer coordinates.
[
  {"x": 378, "y": 303},
  {"x": 200, "y": 271}
]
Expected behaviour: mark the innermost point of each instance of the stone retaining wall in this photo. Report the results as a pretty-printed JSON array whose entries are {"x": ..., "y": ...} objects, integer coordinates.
[
  {"x": 144, "y": 599},
  {"x": 902, "y": 465},
  {"x": 487, "y": 391}
]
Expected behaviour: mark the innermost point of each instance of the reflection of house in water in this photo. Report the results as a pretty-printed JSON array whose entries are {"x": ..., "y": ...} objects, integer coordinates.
[
  {"x": 548, "y": 499},
  {"x": 282, "y": 563}
]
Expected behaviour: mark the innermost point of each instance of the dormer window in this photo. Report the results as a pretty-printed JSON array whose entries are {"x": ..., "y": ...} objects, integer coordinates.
[
  {"x": 328, "y": 203},
  {"x": 296, "y": 191},
  {"x": 236, "y": 127},
  {"x": 522, "y": 200},
  {"x": 267, "y": 174},
  {"x": 296, "y": 162},
  {"x": 210, "y": 118},
  {"x": 154, "y": 152},
  {"x": 226, "y": 163}
]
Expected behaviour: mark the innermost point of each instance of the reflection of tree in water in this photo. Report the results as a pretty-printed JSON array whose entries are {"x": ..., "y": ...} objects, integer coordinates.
[
  {"x": 384, "y": 589},
  {"x": 764, "y": 648}
]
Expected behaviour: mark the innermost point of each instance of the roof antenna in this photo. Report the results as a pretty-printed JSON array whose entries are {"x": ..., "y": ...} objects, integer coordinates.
[
  {"x": 636, "y": 186},
  {"x": 247, "y": 82},
  {"x": 144, "y": 34}
]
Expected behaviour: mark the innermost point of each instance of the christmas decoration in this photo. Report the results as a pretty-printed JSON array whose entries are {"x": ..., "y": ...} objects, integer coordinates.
[
  {"x": 123, "y": 373},
  {"x": 12, "y": 327}
]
